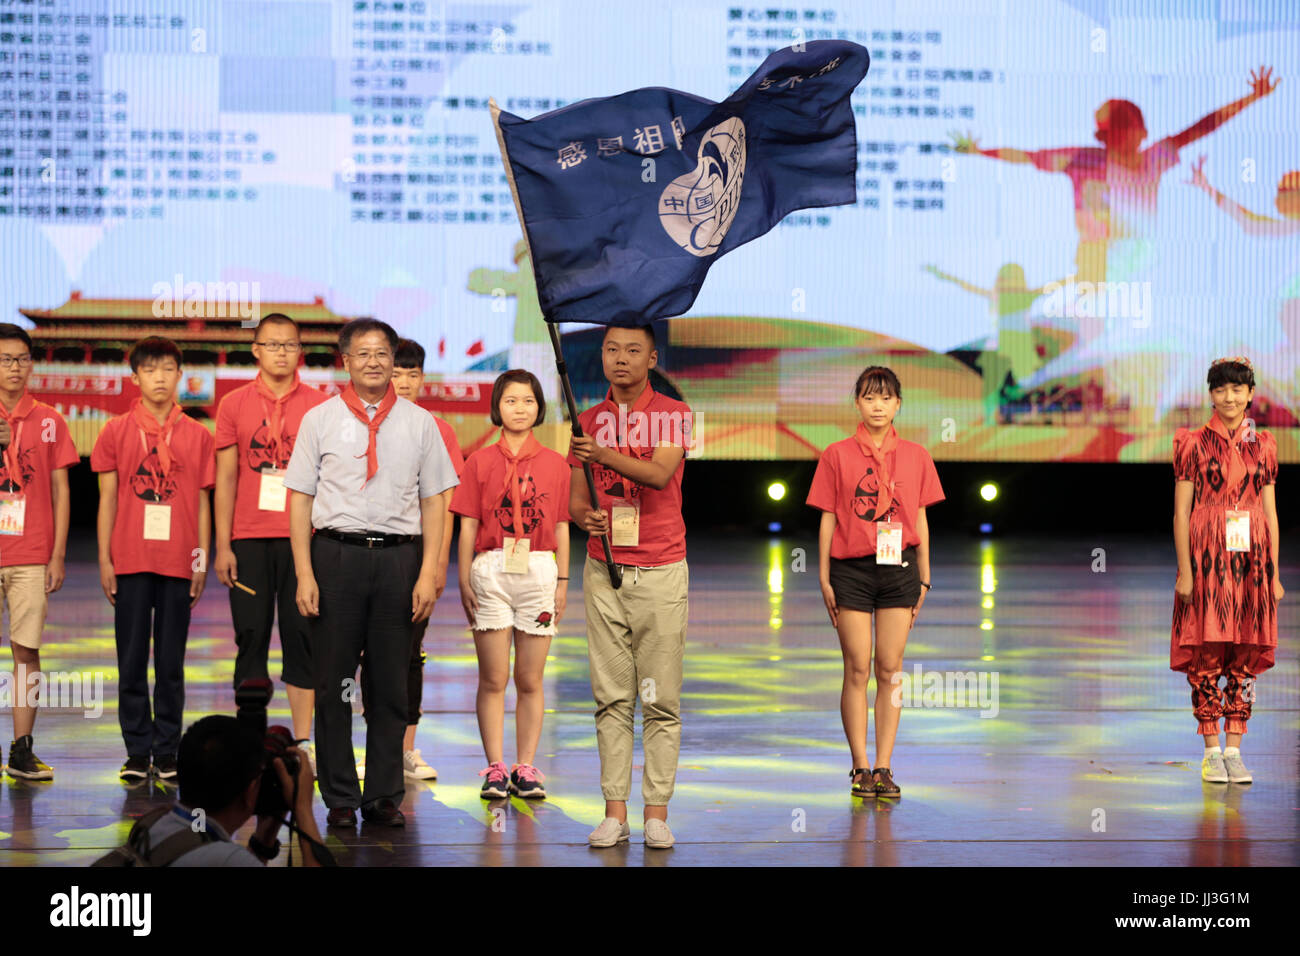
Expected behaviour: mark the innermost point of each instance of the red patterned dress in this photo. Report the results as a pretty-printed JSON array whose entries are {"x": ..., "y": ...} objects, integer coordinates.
[{"x": 1229, "y": 626}]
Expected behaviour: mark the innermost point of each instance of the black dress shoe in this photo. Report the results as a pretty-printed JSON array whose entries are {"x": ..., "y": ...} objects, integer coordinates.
[
  {"x": 341, "y": 817},
  {"x": 384, "y": 813}
]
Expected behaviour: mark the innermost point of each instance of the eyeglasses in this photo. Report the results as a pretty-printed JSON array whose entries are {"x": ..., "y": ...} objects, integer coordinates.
[
  {"x": 289, "y": 347},
  {"x": 9, "y": 361},
  {"x": 365, "y": 357}
]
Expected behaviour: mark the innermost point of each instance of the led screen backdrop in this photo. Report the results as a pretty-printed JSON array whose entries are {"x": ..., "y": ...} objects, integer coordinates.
[{"x": 1037, "y": 247}]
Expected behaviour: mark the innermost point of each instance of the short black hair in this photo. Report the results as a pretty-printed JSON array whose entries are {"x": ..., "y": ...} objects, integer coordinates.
[
  {"x": 153, "y": 349},
  {"x": 1229, "y": 373},
  {"x": 277, "y": 318},
  {"x": 10, "y": 331},
  {"x": 523, "y": 377},
  {"x": 218, "y": 758},
  {"x": 408, "y": 354},
  {"x": 648, "y": 329},
  {"x": 361, "y": 327},
  {"x": 877, "y": 378}
]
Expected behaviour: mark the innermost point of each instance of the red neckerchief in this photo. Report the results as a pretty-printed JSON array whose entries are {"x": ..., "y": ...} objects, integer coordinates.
[
  {"x": 881, "y": 457},
  {"x": 639, "y": 405},
  {"x": 275, "y": 416},
  {"x": 358, "y": 407},
  {"x": 15, "y": 420},
  {"x": 157, "y": 436},
  {"x": 1236, "y": 463},
  {"x": 527, "y": 450}
]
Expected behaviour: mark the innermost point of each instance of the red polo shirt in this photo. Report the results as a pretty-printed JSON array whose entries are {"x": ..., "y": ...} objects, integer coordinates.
[
  {"x": 40, "y": 443},
  {"x": 244, "y": 420},
  {"x": 544, "y": 498},
  {"x": 140, "y": 481},
  {"x": 842, "y": 485},
  {"x": 652, "y": 420}
]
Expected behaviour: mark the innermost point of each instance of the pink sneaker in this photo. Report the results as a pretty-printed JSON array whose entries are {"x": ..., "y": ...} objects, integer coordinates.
[
  {"x": 495, "y": 787},
  {"x": 526, "y": 781}
]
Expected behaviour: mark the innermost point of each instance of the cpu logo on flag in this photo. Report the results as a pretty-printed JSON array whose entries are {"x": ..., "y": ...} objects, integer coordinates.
[{"x": 697, "y": 208}]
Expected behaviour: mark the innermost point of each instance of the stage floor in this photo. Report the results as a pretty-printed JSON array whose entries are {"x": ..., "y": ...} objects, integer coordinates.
[{"x": 1090, "y": 759}]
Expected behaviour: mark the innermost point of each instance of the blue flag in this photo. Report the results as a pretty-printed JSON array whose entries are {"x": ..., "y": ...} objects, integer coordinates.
[{"x": 627, "y": 200}]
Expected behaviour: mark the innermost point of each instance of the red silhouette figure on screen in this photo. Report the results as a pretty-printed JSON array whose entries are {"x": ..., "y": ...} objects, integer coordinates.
[{"x": 1115, "y": 186}]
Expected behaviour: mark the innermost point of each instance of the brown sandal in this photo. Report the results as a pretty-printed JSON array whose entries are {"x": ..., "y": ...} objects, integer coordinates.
[
  {"x": 867, "y": 787},
  {"x": 883, "y": 781}
]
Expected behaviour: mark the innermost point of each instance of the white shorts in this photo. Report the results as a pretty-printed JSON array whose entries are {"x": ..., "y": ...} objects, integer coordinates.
[{"x": 525, "y": 602}]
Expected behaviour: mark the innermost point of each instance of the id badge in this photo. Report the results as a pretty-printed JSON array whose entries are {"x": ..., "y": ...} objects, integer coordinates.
[
  {"x": 13, "y": 512},
  {"x": 514, "y": 554},
  {"x": 271, "y": 495},
  {"x": 625, "y": 524},
  {"x": 157, "y": 522},
  {"x": 1238, "y": 530},
  {"x": 889, "y": 542}
]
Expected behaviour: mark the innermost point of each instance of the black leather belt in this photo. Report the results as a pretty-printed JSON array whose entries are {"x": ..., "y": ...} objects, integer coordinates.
[{"x": 368, "y": 539}]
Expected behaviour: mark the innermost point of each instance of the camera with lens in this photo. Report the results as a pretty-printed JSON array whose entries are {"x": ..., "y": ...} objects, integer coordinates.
[{"x": 251, "y": 699}]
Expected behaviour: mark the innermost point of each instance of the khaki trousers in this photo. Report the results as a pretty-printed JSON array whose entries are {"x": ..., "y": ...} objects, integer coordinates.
[{"x": 636, "y": 636}]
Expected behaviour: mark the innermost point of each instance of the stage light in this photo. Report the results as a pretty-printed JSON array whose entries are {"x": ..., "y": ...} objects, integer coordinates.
[
  {"x": 986, "y": 528},
  {"x": 988, "y": 491},
  {"x": 776, "y": 490},
  {"x": 774, "y": 527}
]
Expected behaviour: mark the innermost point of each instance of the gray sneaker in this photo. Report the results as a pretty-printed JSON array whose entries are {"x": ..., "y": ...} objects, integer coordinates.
[
  {"x": 1213, "y": 769},
  {"x": 609, "y": 833},
  {"x": 657, "y": 834},
  {"x": 1237, "y": 772}
]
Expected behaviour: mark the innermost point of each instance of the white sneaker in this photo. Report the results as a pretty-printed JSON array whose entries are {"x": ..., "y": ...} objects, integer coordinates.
[
  {"x": 657, "y": 834},
  {"x": 1237, "y": 772},
  {"x": 361, "y": 771},
  {"x": 1213, "y": 769},
  {"x": 413, "y": 765},
  {"x": 609, "y": 833}
]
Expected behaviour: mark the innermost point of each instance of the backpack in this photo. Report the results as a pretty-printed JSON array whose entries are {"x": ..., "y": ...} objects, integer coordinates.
[{"x": 137, "y": 850}]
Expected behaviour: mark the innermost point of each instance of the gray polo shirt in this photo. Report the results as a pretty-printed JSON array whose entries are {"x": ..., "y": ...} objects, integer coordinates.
[
  {"x": 329, "y": 461},
  {"x": 221, "y": 852}
]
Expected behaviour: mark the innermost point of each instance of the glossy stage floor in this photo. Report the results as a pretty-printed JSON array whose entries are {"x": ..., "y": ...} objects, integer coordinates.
[{"x": 1083, "y": 753}]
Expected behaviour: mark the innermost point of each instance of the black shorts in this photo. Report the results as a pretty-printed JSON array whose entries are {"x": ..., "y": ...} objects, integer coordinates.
[{"x": 862, "y": 585}]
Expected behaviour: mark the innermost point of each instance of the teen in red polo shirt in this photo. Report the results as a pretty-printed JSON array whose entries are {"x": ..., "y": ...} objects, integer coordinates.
[
  {"x": 636, "y": 441},
  {"x": 257, "y": 424},
  {"x": 155, "y": 467},
  {"x": 408, "y": 378},
  {"x": 873, "y": 488},
  {"x": 513, "y": 499},
  {"x": 34, "y": 509}
]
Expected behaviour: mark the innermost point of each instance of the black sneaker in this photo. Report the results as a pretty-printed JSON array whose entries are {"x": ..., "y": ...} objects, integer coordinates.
[
  {"x": 135, "y": 768},
  {"x": 497, "y": 784},
  {"x": 25, "y": 764},
  {"x": 164, "y": 766},
  {"x": 526, "y": 781}
]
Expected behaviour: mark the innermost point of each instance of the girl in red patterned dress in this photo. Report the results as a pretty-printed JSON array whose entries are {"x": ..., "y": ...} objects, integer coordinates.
[{"x": 1225, "y": 535}]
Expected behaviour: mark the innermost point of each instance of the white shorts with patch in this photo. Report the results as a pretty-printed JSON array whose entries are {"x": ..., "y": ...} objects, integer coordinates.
[{"x": 525, "y": 602}]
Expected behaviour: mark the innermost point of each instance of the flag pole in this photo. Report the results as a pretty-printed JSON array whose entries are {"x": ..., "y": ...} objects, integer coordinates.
[{"x": 615, "y": 572}]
